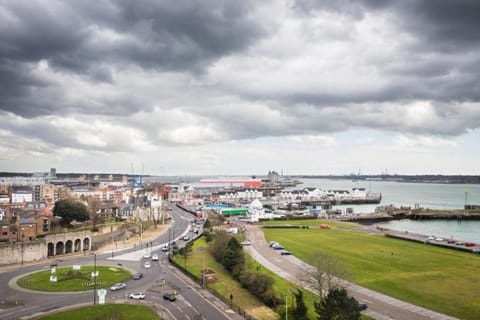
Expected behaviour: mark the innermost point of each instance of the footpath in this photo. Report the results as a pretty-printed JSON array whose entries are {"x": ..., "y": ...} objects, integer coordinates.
[{"x": 380, "y": 306}]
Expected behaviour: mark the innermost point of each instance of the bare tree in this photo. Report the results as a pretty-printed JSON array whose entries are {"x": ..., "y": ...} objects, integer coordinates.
[{"x": 325, "y": 274}]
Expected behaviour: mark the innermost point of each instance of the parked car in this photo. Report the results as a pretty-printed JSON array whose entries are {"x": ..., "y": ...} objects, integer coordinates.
[
  {"x": 147, "y": 255},
  {"x": 460, "y": 243},
  {"x": 285, "y": 253},
  {"x": 469, "y": 244},
  {"x": 118, "y": 286},
  {"x": 246, "y": 243},
  {"x": 169, "y": 297},
  {"x": 137, "y": 276},
  {"x": 147, "y": 265},
  {"x": 272, "y": 243},
  {"x": 155, "y": 257},
  {"x": 137, "y": 295},
  {"x": 450, "y": 241}
]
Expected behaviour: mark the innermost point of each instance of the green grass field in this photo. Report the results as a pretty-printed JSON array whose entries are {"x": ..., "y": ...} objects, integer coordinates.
[
  {"x": 443, "y": 280},
  {"x": 315, "y": 223},
  {"x": 107, "y": 311},
  {"x": 71, "y": 280}
]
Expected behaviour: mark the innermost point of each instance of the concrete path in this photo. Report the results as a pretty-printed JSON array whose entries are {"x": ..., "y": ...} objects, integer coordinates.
[{"x": 380, "y": 306}]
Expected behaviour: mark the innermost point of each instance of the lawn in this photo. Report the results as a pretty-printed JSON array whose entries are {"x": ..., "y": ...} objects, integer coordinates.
[
  {"x": 73, "y": 280},
  {"x": 314, "y": 223},
  {"x": 107, "y": 311},
  {"x": 440, "y": 279}
]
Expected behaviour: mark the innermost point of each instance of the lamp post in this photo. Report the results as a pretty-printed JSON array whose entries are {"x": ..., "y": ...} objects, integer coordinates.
[
  {"x": 465, "y": 206},
  {"x": 94, "y": 278},
  {"x": 23, "y": 243}
]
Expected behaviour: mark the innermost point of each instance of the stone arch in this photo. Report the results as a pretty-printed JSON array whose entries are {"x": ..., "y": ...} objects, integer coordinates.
[
  {"x": 51, "y": 249},
  {"x": 86, "y": 244},
  {"x": 68, "y": 246},
  {"x": 77, "y": 246},
  {"x": 59, "y": 248}
]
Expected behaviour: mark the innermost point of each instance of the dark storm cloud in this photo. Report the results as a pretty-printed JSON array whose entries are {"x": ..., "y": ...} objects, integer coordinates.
[
  {"x": 75, "y": 37},
  {"x": 440, "y": 24},
  {"x": 17, "y": 90}
]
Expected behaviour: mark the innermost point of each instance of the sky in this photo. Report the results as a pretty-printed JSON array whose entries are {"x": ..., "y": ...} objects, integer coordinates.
[{"x": 216, "y": 87}]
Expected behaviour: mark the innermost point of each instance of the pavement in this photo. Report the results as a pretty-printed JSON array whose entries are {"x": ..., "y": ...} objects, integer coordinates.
[{"x": 380, "y": 306}]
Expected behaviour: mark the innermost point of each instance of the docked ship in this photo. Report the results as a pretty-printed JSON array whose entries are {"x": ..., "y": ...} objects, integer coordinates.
[{"x": 233, "y": 182}]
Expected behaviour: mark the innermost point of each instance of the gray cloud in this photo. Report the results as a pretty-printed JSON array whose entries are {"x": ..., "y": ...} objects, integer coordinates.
[{"x": 148, "y": 73}]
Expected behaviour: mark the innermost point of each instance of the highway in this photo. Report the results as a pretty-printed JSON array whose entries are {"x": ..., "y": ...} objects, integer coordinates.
[{"x": 192, "y": 302}]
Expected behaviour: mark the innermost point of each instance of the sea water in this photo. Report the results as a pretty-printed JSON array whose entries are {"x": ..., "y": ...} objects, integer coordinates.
[{"x": 425, "y": 195}]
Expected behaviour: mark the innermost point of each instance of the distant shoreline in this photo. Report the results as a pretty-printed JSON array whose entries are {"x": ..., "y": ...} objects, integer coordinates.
[{"x": 440, "y": 179}]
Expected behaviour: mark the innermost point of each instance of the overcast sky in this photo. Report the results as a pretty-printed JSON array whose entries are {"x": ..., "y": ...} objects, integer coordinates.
[{"x": 240, "y": 87}]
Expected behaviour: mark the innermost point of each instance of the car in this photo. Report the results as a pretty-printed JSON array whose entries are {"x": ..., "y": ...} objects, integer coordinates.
[
  {"x": 362, "y": 306},
  {"x": 155, "y": 257},
  {"x": 450, "y": 241},
  {"x": 460, "y": 243},
  {"x": 137, "y": 295},
  {"x": 186, "y": 238},
  {"x": 147, "y": 265},
  {"x": 246, "y": 243},
  {"x": 431, "y": 238},
  {"x": 277, "y": 247},
  {"x": 285, "y": 253},
  {"x": 118, "y": 286},
  {"x": 169, "y": 297},
  {"x": 469, "y": 244},
  {"x": 137, "y": 276},
  {"x": 165, "y": 247},
  {"x": 272, "y": 243},
  {"x": 439, "y": 239},
  {"x": 147, "y": 255}
]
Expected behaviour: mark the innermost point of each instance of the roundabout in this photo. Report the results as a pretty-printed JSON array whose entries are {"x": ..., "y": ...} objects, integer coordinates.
[{"x": 73, "y": 278}]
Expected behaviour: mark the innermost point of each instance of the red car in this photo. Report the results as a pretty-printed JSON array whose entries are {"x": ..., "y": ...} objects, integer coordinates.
[{"x": 469, "y": 244}]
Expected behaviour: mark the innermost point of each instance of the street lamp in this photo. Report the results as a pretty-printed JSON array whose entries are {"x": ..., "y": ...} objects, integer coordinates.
[
  {"x": 23, "y": 243},
  {"x": 94, "y": 278}
]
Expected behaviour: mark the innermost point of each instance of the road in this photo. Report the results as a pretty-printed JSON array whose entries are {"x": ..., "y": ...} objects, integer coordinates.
[
  {"x": 192, "y": 302},
  {"x": 380, "y": 306}
]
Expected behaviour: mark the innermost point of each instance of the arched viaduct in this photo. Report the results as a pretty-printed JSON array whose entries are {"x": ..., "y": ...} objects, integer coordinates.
[{"x": 70, "y": 242}]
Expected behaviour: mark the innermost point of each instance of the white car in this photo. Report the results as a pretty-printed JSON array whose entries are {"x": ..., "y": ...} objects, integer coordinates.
[
  {"x": 137, "y": 295},
  {"x": 147, "y": 265},
  {"x": 147, "y": 256},
  {"x": 165, "y": 247},
  {"x": 155, "y": 257},
  {"x": 118, "y": 286}
]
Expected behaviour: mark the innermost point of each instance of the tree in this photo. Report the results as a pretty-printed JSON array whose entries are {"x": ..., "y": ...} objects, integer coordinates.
[
  {"x": 337, "y": 305},
  {"x": 185, "y": 252},
  {"x": 300, "y": 311},
  {"x": 327, "y": 273},
  {"x": 70, "y": 210},
  {"x": 233, "y": 257}
]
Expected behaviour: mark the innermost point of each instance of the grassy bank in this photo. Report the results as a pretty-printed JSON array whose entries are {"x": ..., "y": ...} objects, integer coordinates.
[
  {"x": 439, "y": 279},
  {"x": 225, "y": 285}
]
